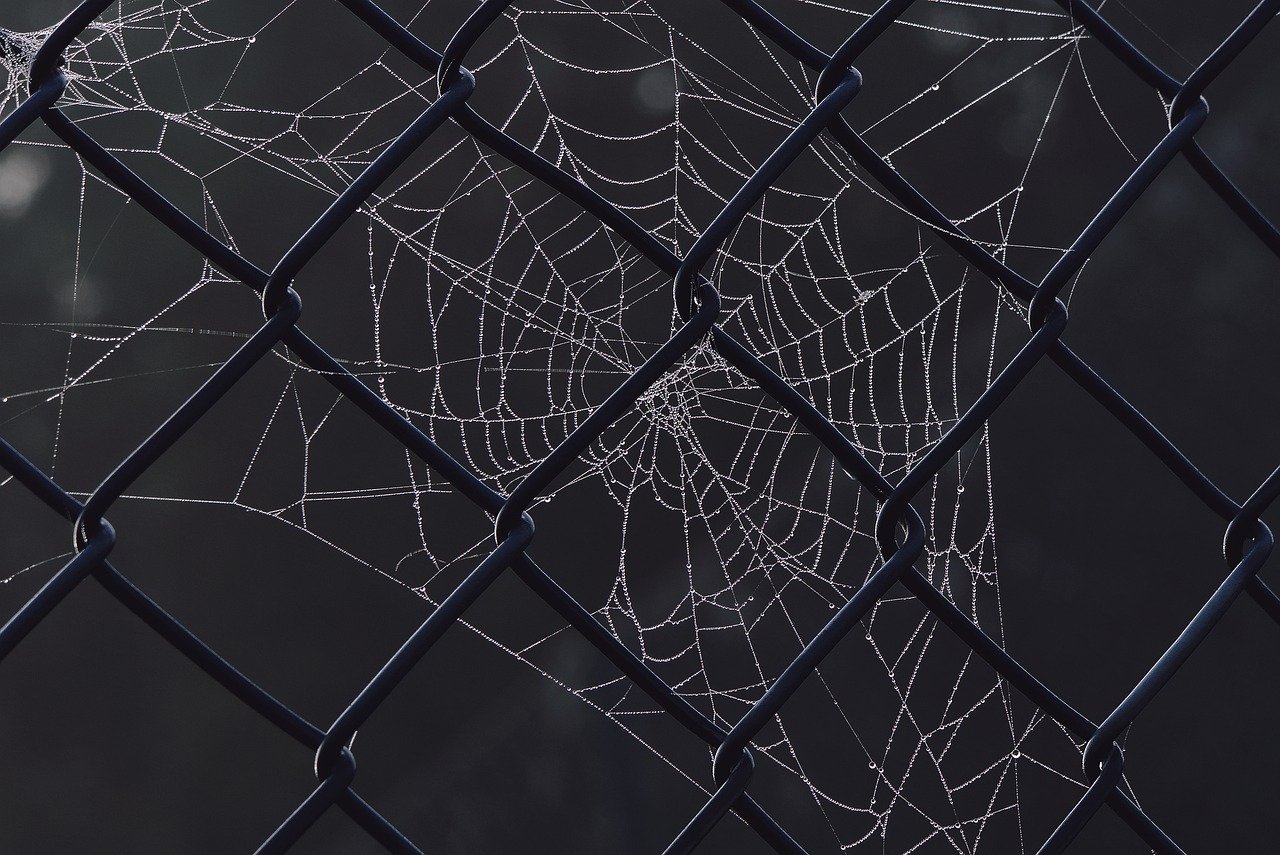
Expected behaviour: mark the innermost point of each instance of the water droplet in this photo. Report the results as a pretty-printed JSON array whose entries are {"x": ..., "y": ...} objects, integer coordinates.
[
  {"x": 959, "y": 488},
  {"x": 935, "y": 87},
  {"x": 1016, "y": 754},
  {"x": 252, "y": 39},
  {"x": 831, "y": 605},
  {"x": 871, "y": 765}
]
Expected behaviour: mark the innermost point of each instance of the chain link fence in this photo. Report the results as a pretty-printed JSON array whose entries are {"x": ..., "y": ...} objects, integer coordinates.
[{"x": 900, "y": 530}]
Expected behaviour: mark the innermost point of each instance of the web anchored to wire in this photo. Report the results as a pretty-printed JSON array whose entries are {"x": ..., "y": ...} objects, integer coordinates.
[{"x": 786, "y": 451}]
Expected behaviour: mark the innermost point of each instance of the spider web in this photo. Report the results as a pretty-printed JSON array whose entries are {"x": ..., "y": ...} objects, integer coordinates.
[{"x": 496, "y": 315}]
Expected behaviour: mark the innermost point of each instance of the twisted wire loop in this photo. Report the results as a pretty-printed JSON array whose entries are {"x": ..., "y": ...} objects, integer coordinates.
[{"x": 901, "y": 533}]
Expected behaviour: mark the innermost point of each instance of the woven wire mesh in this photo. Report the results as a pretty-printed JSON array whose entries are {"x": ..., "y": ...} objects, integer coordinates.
[{"x": 900, "y": 530}]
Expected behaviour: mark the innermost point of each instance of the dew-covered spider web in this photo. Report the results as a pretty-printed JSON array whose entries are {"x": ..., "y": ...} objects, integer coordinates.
[{"x": 707, "y": 529}]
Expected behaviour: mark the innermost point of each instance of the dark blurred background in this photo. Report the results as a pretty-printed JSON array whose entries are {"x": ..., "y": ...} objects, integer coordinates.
[{"x": 296, "y": 538}]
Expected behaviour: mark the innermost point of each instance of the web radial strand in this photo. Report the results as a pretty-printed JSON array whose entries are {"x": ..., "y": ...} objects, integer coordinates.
[{"x": 496, "y": 315}]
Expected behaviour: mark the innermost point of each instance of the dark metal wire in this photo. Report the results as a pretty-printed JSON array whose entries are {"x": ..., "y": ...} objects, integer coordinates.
[{"x": 1247, "y": 542}]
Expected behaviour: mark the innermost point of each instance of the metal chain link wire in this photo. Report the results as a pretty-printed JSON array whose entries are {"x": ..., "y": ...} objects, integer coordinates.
[{"x": 900, "y": 531}]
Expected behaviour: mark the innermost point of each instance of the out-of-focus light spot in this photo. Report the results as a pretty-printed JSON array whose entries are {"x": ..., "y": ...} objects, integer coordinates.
[
  {"x": 23, "y": 171},
  {"x": 656, "y": 89}
]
